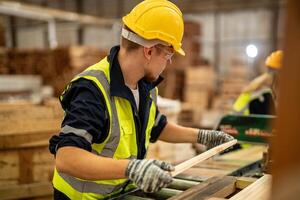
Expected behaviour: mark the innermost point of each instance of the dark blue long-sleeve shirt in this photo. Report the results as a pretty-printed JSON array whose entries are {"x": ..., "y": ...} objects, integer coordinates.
[{"x": 85, "y": 109}]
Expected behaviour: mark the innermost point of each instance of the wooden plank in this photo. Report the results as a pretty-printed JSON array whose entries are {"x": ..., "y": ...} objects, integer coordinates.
[
  {"x": 19, "y": 104},
  {"x": 249, "y": 154},
  {"x": 26, "y": 190},
  {"x": 243, "y": 182},
  {"x": 35, "y": 139},
  {"x": 205, "y": 173},
  {"x": 213, "y": 187},
  {"x": 197, "y": 159},
  {"x": 258, "y": 190},
  {"x": 191, "y": 191},
  {"x": 26, "y": 126},
  {"x": 190, "y": 177},
  {"x": 26, "y": 165},
  {"x": 285, "y": 146},
  {"x": 227, "y": 163},
  {"x": 18, "y": 112}
]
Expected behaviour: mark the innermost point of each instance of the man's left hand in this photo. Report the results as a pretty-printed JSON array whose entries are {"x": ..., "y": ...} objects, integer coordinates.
[{"x": 212, "y": 138}]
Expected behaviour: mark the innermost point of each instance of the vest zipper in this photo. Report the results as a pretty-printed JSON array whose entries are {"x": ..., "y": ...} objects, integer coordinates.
[{"x": 138, "y": 134}]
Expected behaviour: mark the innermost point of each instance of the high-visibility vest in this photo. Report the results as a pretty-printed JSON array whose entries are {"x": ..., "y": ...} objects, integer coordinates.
[
  {"x": 120, "y": 144},
  {"x": 241, "y": 105}
]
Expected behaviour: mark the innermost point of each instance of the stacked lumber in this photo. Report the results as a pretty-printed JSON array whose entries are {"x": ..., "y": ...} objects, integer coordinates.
[
  {"x": 173, "y": 153},
  {"x": 198, "y": 86},
  {"x": 170, "y": 152},
  {"x": 26, "y": 163},
  {"x": 57, "y": 66},
  {"x": 69, "y": 61},
  {"x": 2, "y": 34},
  {"x": 173, "y": 85},
  {"x": 231, "y": 86},
  {"x": 199, "y": 89},
  {"x": 191, "y": 45},
  {"x": 3, "y": 61}
]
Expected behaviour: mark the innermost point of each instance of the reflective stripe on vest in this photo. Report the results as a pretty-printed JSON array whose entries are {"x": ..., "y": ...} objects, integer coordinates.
[
  {"x": 113, "y": 140},
  {"x": 80, "y": 132},
  {"x": 89, "y": 186}
]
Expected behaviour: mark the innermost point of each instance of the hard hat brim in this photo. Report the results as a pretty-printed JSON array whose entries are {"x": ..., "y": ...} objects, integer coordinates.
[{"x": 180, "y": 51}]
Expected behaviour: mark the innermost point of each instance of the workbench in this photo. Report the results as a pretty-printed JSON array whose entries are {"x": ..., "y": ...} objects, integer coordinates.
[
  {"x": 214, "y": 188},
  {"x": 217, "y": 178}
]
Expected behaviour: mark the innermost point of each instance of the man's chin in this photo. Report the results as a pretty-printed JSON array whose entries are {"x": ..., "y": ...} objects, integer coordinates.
[{"x": 151, "y": 78}]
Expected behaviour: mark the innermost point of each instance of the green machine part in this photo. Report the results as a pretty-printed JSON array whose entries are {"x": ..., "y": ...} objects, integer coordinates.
[{"x": 250, "y": 128}]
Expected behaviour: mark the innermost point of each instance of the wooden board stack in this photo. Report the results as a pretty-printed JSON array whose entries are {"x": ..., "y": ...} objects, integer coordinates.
[
  {"x": 70, "y": 61},
  {"x": 199, "y": 85},
  {"x": 173, "y": 85},
  {"x": 3, "y": 61},
  {"x": 231, "y": 86},
  {"x": 191, "y": 45},
  {"x": 173, "y": 153},
  {"x": 26, "y": 162},
  {"x": 2, "y": 33},
  {"x": 57, "y": 67}
]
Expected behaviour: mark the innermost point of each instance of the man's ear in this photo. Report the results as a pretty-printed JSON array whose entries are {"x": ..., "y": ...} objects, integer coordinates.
[{"x": 148, "y": 52}]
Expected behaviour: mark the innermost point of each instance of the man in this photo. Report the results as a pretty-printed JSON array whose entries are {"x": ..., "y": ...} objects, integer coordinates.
[
  {"x": 111, "y": 113},
  {"x": 260, "y": 95}
]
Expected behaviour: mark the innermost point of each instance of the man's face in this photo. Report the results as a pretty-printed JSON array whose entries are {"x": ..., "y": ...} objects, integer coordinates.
[{"x": 159, "y": 59}]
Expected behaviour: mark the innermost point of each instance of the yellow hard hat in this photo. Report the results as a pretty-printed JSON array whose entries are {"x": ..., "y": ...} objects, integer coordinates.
[
  {"x": 157, "y": 19},
  {"x": 274, "y": 61}
]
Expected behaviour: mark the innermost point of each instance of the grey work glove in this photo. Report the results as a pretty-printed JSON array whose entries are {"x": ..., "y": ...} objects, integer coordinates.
[
  {"x": 149, "y": 175},
  {"x": 212, "y": 138}
]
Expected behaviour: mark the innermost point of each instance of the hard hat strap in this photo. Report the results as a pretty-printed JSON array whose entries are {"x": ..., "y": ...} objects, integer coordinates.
[{"x": 141, "y": 41}]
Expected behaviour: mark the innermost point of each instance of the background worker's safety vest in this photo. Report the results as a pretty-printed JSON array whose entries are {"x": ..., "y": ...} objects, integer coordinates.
[
  {"x": 244, "y": 103},
  {"x": 120, "y": 144}
]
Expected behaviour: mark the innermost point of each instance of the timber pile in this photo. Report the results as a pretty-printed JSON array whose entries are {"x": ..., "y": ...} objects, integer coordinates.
[
  {"x": 26, "y": 167},
  {"x": 173, "y": 85},
  {"x": 2, "y": 34},
  {"x": 191, "y": 45},
  {"x": 70, "y": 61},
  {"x": 57, "y": 67},
  {"x": 199, "y": 90},
  {"x": 3, "y": 61},
  {"x": 173, "y": 153},
  {"x": 231, "y": 86}
]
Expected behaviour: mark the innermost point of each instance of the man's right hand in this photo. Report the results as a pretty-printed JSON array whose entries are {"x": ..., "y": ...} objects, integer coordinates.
[{"x": 149, "y": 175}]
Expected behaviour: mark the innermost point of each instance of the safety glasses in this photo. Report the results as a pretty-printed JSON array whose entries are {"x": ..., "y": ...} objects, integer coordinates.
[{"x": 169, "y": 52}]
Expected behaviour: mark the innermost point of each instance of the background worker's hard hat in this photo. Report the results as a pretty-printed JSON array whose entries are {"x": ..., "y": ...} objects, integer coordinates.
[
  {"x": 274, "y": 61},
  {"x": 157, "y": 19}
]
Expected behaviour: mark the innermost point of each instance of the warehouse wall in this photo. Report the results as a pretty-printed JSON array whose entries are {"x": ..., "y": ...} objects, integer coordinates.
[{"x": 237, "y": 29}]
